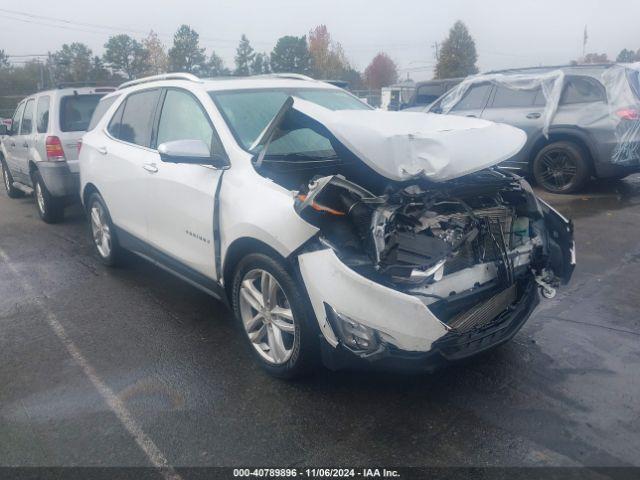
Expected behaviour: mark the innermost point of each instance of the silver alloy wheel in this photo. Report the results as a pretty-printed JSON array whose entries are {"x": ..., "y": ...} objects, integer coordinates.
[
  {"x": 267, "y": 316},
  {"x": 40, "y": 198},
  {"x": 100, "y": 229}
]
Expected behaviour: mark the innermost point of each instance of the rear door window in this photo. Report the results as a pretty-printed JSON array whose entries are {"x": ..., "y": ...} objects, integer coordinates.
[
  {"x": 540, "y": 100},
  {"x": 137, "y": 118},
  {"x": 100, "y": 110},
  {"x": 76, "y": 111},
  {"x": 26, "y": 126},
  {"x": 512, "y": 98},
  {"x": 116, "y": 121},
  {"x": 582, "y": 90},
  {"x": 474, "y": 99},
  {"x": 42, "y": 115},
  {"x": 15, "y": 121}
]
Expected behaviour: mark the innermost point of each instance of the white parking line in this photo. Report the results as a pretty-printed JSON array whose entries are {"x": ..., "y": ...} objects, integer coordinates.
[{"x": 153, "y": 453}]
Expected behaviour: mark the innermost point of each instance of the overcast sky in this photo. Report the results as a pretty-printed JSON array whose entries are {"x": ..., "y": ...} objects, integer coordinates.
[{"x": 508, "y": 33}]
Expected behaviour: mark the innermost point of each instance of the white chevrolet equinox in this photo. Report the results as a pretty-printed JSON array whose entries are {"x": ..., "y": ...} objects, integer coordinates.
[{"x": 337, "y": 233}]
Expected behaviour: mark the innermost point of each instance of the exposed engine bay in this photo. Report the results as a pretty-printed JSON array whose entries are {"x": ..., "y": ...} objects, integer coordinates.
[
  {"x": 467, "y": 248},
  {"x": 403, "y": 201}
]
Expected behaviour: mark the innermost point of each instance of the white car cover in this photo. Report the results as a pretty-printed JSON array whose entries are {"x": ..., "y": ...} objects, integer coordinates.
[{"x": 405, "y": 145}]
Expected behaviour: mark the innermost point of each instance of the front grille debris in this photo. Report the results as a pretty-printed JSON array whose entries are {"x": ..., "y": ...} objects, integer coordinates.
[{"x": 484, "y": 313}]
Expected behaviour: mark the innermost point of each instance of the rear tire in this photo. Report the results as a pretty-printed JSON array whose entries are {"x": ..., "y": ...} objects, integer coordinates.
[
  {"x": 561, "y": 167},
  {"x": 278, "y": 325},
  {"x": 50, "y": 209},
  {"x": 7, "y": 179},
  {"x": 103, "y": 235}
]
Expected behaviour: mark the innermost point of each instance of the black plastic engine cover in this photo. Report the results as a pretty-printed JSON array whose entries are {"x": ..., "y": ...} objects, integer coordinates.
[{"x": 407, "y": 250}]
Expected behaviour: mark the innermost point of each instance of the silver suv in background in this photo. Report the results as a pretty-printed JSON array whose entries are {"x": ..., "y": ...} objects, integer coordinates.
[
  {"x": 592, "y": 131},
  {"x": 39, "y": 150}
]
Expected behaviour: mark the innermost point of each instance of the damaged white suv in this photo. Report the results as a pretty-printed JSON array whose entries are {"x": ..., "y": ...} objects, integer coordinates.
[{"x": 337, "y": 233}]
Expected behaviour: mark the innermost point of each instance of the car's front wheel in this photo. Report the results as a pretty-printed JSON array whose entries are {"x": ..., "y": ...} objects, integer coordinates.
[
  {"x": 105, "y": 242},
  {"x": 561, "y": 167},
  {"x": 7, "y": 179},
  {"x": 274, "y": 316}
]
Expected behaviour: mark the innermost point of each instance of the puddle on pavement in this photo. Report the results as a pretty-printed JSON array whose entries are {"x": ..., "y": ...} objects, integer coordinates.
[{"x": 599, "y": 196}]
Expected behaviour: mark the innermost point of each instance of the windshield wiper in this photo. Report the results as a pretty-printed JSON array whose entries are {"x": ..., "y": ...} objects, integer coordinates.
[{"x": 299, "y": 157}]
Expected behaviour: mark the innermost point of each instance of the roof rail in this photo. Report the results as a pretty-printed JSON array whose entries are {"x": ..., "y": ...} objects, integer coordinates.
[
  {"x": 165, "y": 76},
  {"x": 585, "y": 66},
  {"x": 292, "y": 76},
  {"x": 81, "y": 84}
]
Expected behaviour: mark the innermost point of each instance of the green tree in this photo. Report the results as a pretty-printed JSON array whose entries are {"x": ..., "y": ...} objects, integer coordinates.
[
  {"x": 458, "y": 56},
  {"x": 353, "y": 77},
  {"x": 72, "y": 63},
  {"x": 17, "y": 81},
  {"x": 595, "y": 58},
  {"x": 244, "y": 57},
  {"x": 626, "y": 56},
  {"x": 99, "y": 73},
  {"x": 215, "y": 66},
  {"x": 260, "y": 64},
  {"x": 126, "y": 55},
  {"x": 186, "y": 55},
  {"x": 291, "y": 54},
  {"x": 4, "y": 60}
]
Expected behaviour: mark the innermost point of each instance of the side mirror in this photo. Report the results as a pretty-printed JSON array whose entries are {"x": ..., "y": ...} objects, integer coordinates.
[
  {"x": 190, "y": 151},
  {"x": 4, "y": 130}
]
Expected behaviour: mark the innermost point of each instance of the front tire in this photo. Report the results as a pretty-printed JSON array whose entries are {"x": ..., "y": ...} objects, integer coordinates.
[
  {"x": 275, "y": 317},
  {"x": 561, "y": 167},
  {"x": 103, "y": 235},
  {"x": 50, "y": 209},
  {"x": 7, "y": 179}
]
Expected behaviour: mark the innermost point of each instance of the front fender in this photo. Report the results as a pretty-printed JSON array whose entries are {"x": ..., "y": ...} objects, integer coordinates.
[{"x": 254, "y": 207}]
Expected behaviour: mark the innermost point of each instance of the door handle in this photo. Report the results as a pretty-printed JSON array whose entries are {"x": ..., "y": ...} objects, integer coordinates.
[
  {"x": 473, "y": 116},
  {"x": 534, "y": 115},
  {"x": 13, "y": 144},
  {"x": 25, "y": 145},
  {"x": 102, "y": 150},
  {"x": 150, "y": 167}
]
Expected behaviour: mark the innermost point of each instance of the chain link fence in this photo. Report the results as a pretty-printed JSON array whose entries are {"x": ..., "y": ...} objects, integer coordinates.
[{"x": 372, "y": 97}]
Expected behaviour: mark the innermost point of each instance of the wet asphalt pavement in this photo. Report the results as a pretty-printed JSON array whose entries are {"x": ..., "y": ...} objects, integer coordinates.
[{"x": 565, "y": 391}]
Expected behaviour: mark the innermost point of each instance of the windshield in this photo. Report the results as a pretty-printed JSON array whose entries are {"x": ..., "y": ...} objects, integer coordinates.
[{"x": 247, "y": 112}]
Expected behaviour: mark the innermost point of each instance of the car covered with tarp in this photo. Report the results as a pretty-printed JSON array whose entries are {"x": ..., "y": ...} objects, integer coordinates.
[{"x": 581, "y": 121}]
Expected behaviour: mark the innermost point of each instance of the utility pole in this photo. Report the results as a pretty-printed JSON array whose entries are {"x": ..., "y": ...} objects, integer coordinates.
[{"x": 435, "y": 47}]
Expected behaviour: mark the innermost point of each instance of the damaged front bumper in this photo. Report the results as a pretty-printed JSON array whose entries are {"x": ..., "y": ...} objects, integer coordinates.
[
  {"x": 398, "y": 318},
  {"x": 407, "y": 334},
  {"x": 450, "y": 348}
]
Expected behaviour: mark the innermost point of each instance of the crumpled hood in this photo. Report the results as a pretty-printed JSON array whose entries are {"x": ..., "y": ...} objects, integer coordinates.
[{"x": 405, "y": 145}]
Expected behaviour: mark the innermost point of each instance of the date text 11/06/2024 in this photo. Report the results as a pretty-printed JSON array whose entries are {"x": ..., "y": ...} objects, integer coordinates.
[{"x": 316, "y": 472}]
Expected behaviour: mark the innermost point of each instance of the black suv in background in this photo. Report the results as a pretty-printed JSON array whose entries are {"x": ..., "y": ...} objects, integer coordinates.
[
  {"x": 429, "y": 91},
  {"x": 594, "y": 132}
]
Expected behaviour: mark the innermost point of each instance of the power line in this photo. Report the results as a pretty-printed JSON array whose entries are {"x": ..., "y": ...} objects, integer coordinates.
[
  {"x": 29, "y": 55},
  {"x": 70, "y": 22},
  {"x": 81, "y": 26},
  {"x": 63, "y": 27}
]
